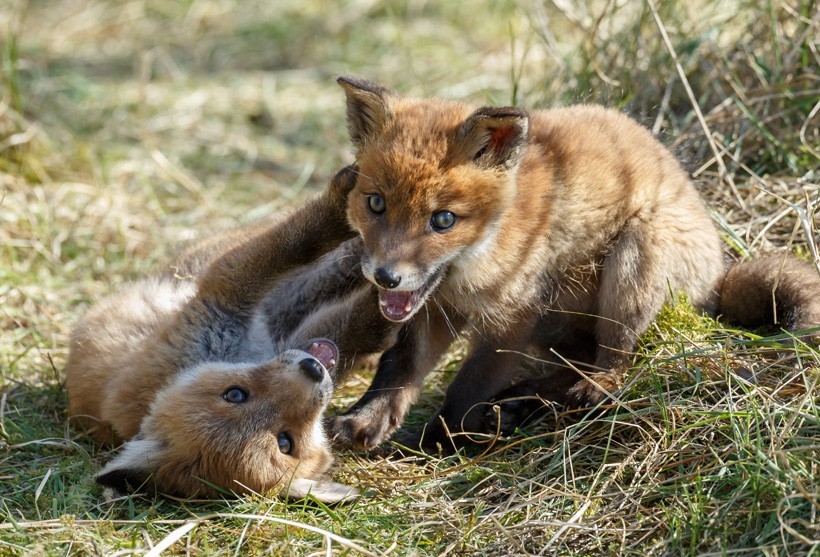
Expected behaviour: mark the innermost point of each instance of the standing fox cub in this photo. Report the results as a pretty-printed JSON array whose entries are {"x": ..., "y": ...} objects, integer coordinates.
[
  {"x": 563, "y": 229},
  {"x": 211, "y": 372}
]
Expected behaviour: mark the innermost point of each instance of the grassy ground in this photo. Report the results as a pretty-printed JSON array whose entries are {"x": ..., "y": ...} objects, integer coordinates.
[{"x": 127, "y": 127}]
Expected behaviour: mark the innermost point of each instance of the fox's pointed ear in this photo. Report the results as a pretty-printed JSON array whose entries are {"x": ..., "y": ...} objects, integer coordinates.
[
  {"x": 325, "y": 491},
  {"x": 368, "y": 109},
  {"x": 495, "y": 136},
  {"x": 132, "y": 468}
]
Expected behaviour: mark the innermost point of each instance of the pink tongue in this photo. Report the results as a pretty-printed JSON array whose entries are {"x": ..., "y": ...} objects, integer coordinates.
[
  {"x": 396, "y": 304},
  {"x": 323, "y": 350}
]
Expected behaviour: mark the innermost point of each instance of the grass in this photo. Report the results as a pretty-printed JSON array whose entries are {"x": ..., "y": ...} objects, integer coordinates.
[{"x": 129, "y": 127}]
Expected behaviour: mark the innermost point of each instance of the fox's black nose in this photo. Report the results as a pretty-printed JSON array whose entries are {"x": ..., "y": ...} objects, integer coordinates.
[
  {"x": 312, "y": 369},
  {"x": 387, "y": 277}
]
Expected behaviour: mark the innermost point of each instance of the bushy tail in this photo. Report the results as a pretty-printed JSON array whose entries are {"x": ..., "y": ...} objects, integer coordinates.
[{"x": 773, "y": 290}]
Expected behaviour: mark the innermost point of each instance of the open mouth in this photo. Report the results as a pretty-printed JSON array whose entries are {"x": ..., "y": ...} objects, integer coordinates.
[
  {"x": 400, "y": 305},
  {"x": 323, "y": 350}
]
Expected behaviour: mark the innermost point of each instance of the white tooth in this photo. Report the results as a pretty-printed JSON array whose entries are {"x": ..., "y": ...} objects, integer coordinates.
[
  {"x": 383, "y": 303},
  {"x": 332, "y": 361},
  {"x": 408, "y": 307},
  {"x": 314, "y": 345}
]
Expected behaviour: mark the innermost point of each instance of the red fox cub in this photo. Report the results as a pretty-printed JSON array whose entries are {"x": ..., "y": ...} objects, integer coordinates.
[
  {"x": 211, "y": 372},
  {"x": 564, "y": 229}
]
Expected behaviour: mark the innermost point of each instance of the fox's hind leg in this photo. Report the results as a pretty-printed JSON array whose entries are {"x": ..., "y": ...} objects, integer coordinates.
[{"x": 652, "y": 257}]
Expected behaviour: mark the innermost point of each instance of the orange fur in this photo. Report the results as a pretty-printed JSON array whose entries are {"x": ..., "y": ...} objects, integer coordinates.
[
  {"x": 570, "y": 228},
  {"x": 161, "y": 364}
]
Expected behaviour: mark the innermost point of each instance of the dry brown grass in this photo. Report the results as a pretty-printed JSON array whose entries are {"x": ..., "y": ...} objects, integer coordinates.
[{"x": 129, "y": 127}]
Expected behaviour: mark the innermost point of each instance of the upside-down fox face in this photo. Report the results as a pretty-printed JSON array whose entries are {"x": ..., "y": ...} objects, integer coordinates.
[
  {"x": 435, "y": 178},
  {"x": 239, "y": 427}
]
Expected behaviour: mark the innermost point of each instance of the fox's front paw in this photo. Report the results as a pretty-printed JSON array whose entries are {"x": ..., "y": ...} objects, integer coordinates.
[
  {"x": 523, "y": 403},
  {"x": 585, "y": 393},
  {"x": 365, "y": 427},
  {"x": 506, "y": 415},
  {"x": 445, "y": 434},
  {"x": 435, "y": 438}
]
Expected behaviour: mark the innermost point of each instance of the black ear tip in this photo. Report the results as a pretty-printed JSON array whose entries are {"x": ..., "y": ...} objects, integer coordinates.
[
  {"x": 360, "y": 84},
  {"x": 353, "y": 81}
]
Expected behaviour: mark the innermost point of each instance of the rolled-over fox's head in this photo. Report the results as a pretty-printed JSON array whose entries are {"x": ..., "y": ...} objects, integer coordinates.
[
  {"x": 225, "y": 427},
  {"x": 435, "y": 178}
]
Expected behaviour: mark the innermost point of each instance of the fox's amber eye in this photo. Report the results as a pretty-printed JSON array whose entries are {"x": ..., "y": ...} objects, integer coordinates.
[
  {"x": 442, "y": 220},
  {"x": 285, "y": 443},
  {"x": 235, "y": 395},
  {"x": 376, "y": 203}
]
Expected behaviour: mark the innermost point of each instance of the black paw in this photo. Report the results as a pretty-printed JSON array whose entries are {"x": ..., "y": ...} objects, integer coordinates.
[
  {"x": 504, "y": 416},
  {"x": 521, "y": 404},
  {"x": 437, "y": 438}
]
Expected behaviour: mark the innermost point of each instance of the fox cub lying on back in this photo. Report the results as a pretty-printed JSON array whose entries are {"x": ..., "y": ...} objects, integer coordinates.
[
  {"x": 562, "y": 229},
  {"x": 212, "y": 372}
]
